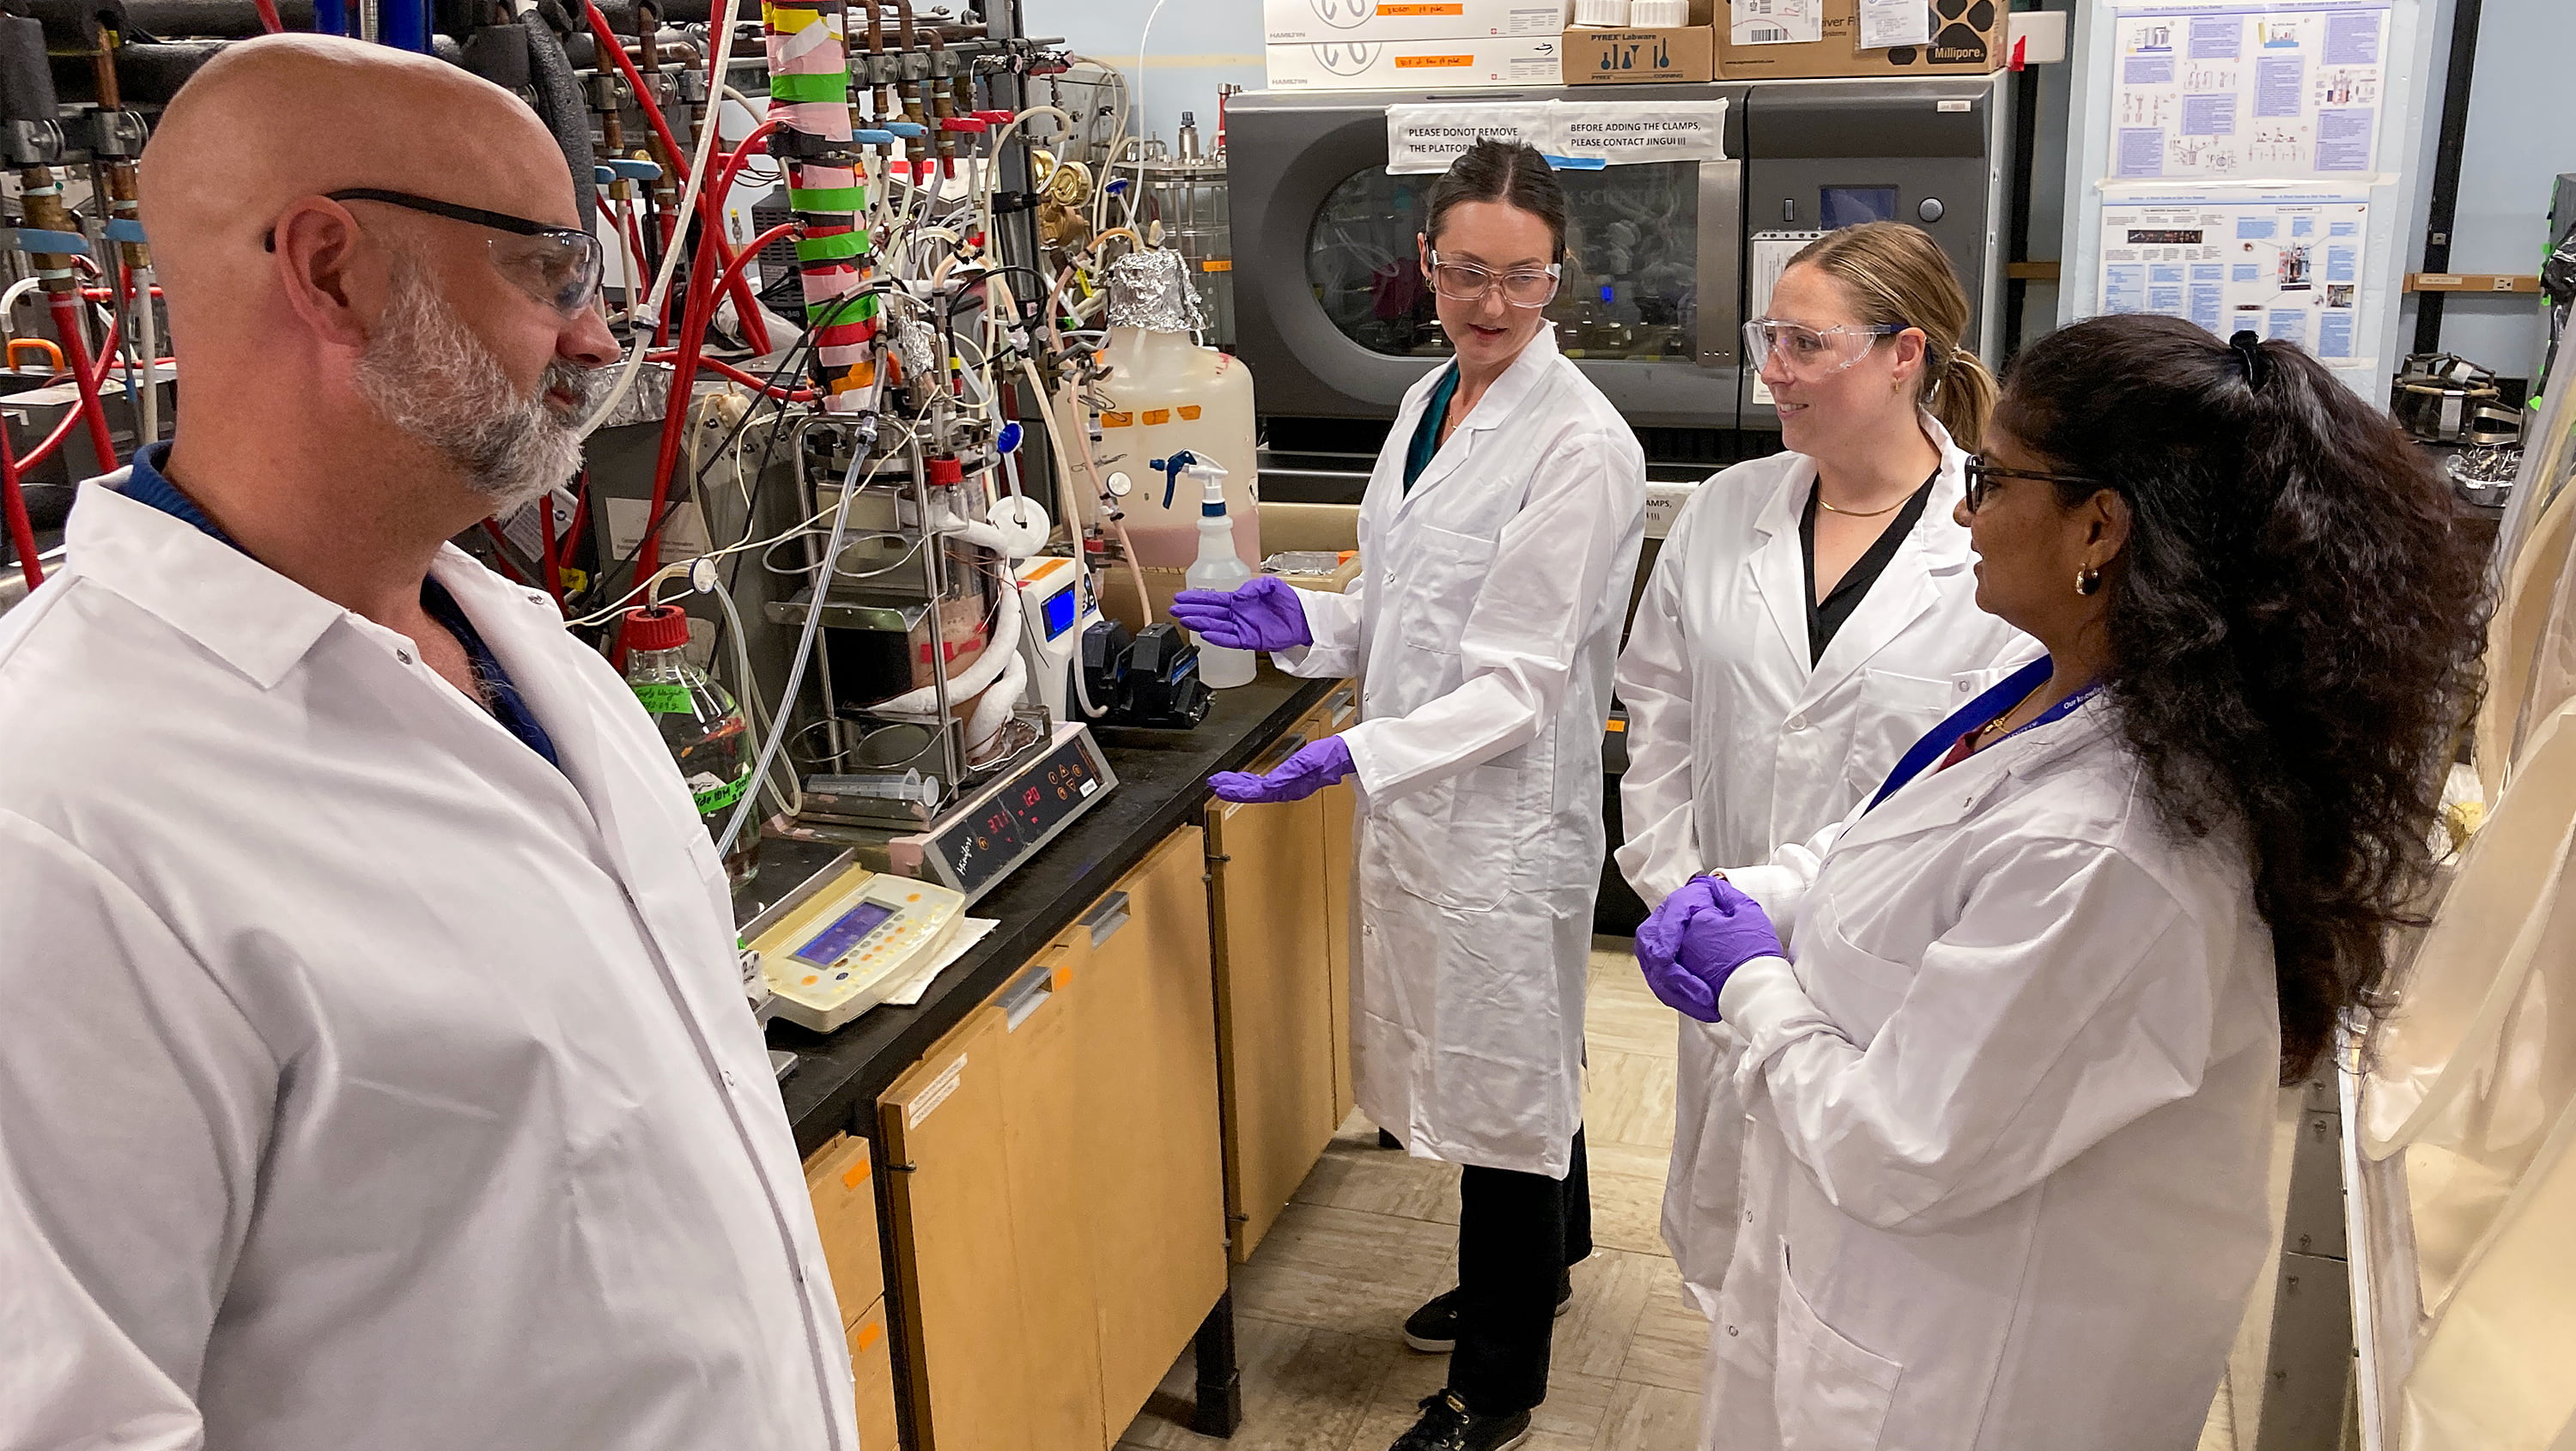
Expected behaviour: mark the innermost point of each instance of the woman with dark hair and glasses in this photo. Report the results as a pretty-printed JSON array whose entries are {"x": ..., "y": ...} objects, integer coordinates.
[
  {"x": 1498, "y": 540},
  {"x": 2011, "y": 1082}
]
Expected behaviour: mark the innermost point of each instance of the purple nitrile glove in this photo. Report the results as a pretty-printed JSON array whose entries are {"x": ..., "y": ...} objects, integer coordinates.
[
  {"x": 1697, "y": 938},
  {"x": 1310, "y": 770},
  {"x": 1264, "y": 613},
  {"x": 1659, "y": 949}
]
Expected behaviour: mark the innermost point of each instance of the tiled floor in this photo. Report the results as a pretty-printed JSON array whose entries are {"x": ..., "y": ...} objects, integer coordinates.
[{"x": 1373, "y": 1233}]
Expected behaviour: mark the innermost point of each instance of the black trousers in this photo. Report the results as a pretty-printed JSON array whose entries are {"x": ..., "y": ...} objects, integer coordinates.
[{"x": 1516, "y": 1234}]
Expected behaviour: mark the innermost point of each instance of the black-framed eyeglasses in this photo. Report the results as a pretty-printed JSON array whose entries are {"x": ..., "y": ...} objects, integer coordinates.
[
  {"x": 558, "y": 266},
  {"x": 1980, "y": 477}
]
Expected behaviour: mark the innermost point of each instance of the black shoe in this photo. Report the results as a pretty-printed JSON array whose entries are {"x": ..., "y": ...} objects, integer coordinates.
[
  {"x": 1433, "y": 1329},
  {"x": 1447, "y": 1425}
]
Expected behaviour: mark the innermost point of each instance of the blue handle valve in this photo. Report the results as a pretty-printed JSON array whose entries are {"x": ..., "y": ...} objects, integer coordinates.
[
  {"x": 873, "y": 138},
  {"x": 1171, "y": 470},
  {"x": 908, "y": 130},
  {"x": 1008, "y": 440}
]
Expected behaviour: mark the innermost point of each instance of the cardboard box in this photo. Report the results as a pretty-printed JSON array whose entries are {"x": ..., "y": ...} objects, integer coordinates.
[
  {"x": 1314, "y": 22},
  {"x": 1636, "y": 57},
  {"x": 1416, "y": 65},
  {"x": 1967, "y": 39}
]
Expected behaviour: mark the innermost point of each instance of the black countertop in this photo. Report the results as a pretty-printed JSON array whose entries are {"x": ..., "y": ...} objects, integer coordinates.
[{"x": 1162, "y": 785}]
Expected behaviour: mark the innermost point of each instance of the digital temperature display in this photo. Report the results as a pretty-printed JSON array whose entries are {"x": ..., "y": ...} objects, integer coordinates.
[{"x": 1020, "y": 816}]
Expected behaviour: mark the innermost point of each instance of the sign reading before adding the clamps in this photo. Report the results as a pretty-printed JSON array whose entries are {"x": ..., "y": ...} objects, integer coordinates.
[{"x": 1619, "y": 133}]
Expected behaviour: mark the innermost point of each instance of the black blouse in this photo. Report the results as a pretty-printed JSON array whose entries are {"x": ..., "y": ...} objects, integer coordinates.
[{"x": 1826, "y": 616}]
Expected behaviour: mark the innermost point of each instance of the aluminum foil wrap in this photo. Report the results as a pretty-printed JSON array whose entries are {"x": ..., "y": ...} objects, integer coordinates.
[{"x": 1151, "y": 290}]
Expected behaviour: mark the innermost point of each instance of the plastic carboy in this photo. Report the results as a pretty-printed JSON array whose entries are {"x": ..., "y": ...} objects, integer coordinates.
[
  {"x": 699, "y": 722},
  {"x": 1164, "y": 393}
]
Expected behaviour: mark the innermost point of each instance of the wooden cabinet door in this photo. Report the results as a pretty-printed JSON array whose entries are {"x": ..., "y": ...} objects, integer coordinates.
[
  {"x": 1152, "y": 1176},
  {"x": 1341, "y": 931},
  {"x": 958, "y": 1271},
  {"x": 844, "y": 1192},
  {"x": 872, "y": 1379},
  {"x": 1274, "y": 1008},
  {"x": 1042, "y": 1135}
]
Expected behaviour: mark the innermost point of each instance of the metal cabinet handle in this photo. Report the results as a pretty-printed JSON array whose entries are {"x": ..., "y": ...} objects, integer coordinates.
[
  {"x": 1105, "y": 919},
  {"x": 1280, "y": 750},
  {"x": 1341, "y": 705}
]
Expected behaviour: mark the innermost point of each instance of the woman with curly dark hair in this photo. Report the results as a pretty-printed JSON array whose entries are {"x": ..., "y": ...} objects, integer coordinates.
[{"x": 2010, "y": 1087}]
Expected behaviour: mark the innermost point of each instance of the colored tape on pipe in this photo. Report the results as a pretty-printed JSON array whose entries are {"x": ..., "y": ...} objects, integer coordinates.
[
  {"x": 35, "y": 239},
  {"x": 828, "y": 198},
  {"x": 828, "y": 86},
  {"x": 834, "y": 246}
]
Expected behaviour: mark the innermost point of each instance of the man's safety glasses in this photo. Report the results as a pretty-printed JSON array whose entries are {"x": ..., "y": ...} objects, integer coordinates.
[
  {"x": 1980, "y": 476},
  {"x": 558, "y": 266},
  {"x": 1465, "y": 282},
  {"x": 1808, "y": 354}
]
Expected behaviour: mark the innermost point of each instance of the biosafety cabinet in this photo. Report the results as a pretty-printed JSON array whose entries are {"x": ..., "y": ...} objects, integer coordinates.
[{"x": 1668, "y": 258}]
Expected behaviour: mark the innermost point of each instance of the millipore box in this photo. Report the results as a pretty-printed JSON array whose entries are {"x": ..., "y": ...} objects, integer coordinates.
[
  {"x": 1314, "y": 22},
  {"x": 1414, "y": 65}
]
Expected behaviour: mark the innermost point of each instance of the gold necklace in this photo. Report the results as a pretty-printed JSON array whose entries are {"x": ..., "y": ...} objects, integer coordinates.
[{"x": 1860, "y": 513}]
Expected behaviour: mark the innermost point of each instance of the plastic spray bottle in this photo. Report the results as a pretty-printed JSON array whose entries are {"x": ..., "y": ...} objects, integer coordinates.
[{"x": 1217, "y": 567}]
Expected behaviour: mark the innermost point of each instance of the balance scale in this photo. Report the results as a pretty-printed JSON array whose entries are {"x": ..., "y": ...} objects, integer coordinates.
[{"x": 849, "y": 946}]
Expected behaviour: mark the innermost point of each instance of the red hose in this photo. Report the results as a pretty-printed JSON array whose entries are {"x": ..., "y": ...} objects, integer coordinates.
[
  {"x": 710, "y": 204},
  {"x": 13, "y": 510},
  {"x": 67, "y": 330},
  {"x": 684, "y": 377},
  {"x": 268, "y": 20},
  {"x": 71, "y": 416},
  {"x": 762, "y": 386}
]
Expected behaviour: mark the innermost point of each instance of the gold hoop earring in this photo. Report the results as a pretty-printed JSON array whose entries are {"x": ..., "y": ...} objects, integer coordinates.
[{"x": 2088, "y": 581}]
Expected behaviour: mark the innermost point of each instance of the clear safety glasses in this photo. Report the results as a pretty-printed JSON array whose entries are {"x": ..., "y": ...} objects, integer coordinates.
[
  {"x": 1808, "y": 354},
  {"x": 1980, "y": 476},
  {"x": 1466, "y": 282},
  {"x": 558, "y": 266}
]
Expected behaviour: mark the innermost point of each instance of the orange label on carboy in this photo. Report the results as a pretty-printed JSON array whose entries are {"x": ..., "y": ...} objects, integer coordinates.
[
  {"x": 1117, "y": 420},
  {"x": 1455, "y": 9},
  {"x": 1157, "y": 415},
  {"x": 1190, "y": 412},
  {"x": 1434, "y": 62}
]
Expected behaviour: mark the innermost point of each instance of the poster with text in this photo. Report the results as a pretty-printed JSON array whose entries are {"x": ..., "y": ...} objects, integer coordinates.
[
  {"x": 2249, "y": 91},
  {"x": 2285, "y": 265}
]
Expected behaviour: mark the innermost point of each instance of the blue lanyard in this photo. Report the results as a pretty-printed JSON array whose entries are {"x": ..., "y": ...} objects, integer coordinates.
[{"x": 1976, "y": 715}]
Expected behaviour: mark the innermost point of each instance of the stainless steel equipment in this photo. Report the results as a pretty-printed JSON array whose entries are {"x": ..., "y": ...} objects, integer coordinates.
[{"x": 1335, "y": 321}]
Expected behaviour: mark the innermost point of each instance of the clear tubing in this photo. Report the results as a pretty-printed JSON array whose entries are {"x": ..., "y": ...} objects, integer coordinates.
[{"x": 865, "y": 445}]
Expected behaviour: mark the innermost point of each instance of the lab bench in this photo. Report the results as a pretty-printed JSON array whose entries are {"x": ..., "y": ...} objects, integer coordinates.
[{"x": 1030, "y": 1184}]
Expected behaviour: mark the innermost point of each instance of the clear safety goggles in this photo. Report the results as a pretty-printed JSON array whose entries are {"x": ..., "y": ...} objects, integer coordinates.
[
  {"x": 1807, "y": 354},
  {"x": 558, "y": 266},
  {"x": 1466, "y": 282}
]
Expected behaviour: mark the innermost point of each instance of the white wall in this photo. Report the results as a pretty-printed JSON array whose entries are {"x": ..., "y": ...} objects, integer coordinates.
[
  {"x": 2522, "y": 133},
  {"x": 1196, "y": 46}
]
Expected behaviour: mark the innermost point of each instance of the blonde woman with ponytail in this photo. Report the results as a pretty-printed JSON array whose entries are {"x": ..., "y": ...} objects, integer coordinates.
[{"x": 1811, "y": 615}]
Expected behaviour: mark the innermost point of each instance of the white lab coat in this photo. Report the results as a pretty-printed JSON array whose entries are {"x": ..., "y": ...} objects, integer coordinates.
[
  {"x": 2009, "y": 1115},
  {"x": 1737, "y": 743},
  {"x": 1483, "y": 629},
  {"x": 365, "y": 1080}
]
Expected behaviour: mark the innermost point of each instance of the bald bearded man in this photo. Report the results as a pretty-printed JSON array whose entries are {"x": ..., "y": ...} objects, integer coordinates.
[{"x": 374, "y": 1068}]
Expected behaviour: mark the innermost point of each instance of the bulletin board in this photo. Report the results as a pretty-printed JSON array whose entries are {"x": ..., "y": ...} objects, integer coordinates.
[{"x": 2252, "y": 164}]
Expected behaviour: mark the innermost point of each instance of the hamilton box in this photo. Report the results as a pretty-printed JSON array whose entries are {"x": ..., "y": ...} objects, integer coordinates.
[
  {"x": 1413, "y": 65},
  {"x": 1314, "y": 22}
]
